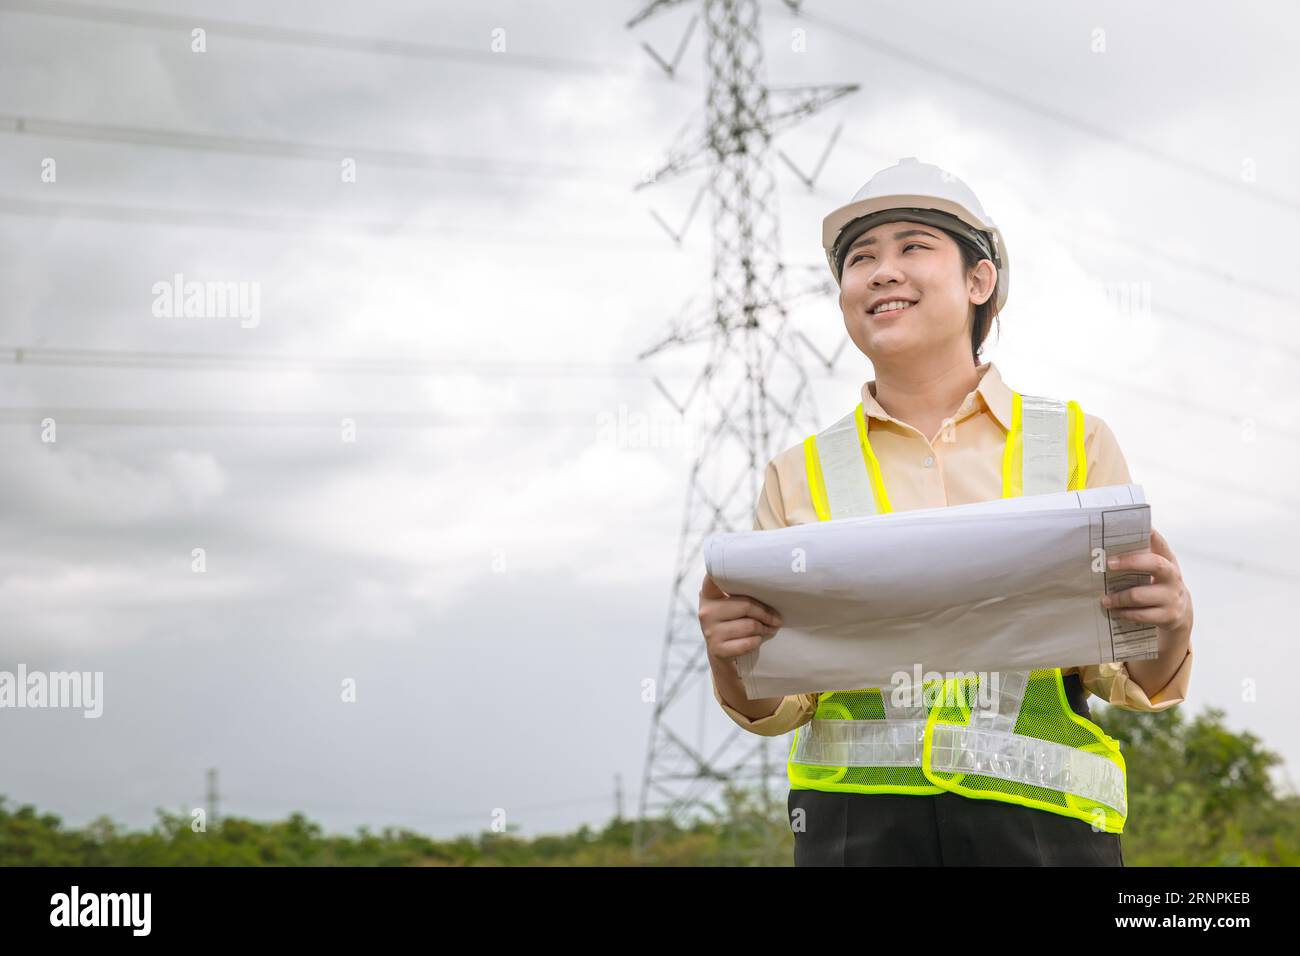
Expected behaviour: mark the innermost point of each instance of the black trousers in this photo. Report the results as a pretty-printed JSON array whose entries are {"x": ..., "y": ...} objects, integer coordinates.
[{"x": 945, "y": 829}]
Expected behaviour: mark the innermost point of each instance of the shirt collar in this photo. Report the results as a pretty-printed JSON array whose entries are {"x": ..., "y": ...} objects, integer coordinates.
[{"x": 991, "y": 390}]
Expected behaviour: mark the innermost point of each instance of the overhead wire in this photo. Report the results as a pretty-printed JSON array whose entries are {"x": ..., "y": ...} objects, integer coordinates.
[
  {"x": 311, "y": 225},
  {"x": 141, "y": 136},
  {"x": 317, "y": 39},
  {"x": 45, "y": 356},
  {"x": 972, "y": 81},
  {"x": 27, "y": 125}
]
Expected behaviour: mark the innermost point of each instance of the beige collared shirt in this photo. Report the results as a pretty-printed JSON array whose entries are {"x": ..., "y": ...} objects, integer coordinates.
[{"x": 963, "y": 465}]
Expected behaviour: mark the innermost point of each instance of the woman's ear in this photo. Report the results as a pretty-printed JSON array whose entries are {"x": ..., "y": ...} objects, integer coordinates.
[{"x": 983, "y": 280}]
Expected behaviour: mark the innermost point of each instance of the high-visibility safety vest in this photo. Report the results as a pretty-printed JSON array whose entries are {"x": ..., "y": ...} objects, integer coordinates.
[{"x": 1030, "y": 747}]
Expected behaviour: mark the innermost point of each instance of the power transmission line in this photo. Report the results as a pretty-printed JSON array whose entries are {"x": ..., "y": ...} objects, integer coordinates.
[
  {"x": 1198, "y": 267},
  {"x": 460, "y": 164},
  {"x": 480, "y": 165},
  {"x": 261, "y": 418},
  {"x": 1232, "y": 333},
  {"x": 312, "y": 39},
  {"x": 316, "y": 225},
  {"x": 1252, "y": 492},
  {"x": 1183, "y": 402},
  {"x": 366, "y": 419},
  {"x": 280, "y": 149},
  {"x": 107, "y": 358},
  {"x": 180, "y": 139},
  {"x": 1236, "y": 564},
  {"x": 967, "y": 81},
  {"x": 47, "y": 357},
  {"x": 256, "y": 362}
]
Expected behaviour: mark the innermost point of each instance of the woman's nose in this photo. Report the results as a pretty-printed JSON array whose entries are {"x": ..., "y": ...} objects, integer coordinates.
[{"x": 886, "y": 271}]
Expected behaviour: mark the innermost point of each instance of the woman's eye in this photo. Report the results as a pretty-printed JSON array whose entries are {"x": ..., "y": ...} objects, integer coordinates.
[{"x": 862, "y": 255}]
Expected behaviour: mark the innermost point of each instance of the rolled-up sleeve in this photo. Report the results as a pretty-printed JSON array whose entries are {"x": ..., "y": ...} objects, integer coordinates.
[
  {"x": 795, "y": 709},
  {"x": 1113, "y": 684},
  {"x": 769, "y": 512}
]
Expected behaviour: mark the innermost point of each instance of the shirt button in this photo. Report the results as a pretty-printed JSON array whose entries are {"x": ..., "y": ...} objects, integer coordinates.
[{"x": 929, "y": 461}]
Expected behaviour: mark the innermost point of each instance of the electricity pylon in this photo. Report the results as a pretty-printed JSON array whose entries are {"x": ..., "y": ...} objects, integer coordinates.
[{"x": 752, "y": 396}]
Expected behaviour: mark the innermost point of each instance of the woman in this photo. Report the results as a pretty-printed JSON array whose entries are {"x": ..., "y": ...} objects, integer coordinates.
[{"x": 922, "y": 274}]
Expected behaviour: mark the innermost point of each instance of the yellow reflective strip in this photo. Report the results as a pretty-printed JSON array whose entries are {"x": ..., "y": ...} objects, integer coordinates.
[
  {"x": 1013, "y": 455},
  {"x": 873, "y": 466},
  {"x": 1086, "y": 816},
  {"x": 816, "y": 484},
  {"x": 927, "y": 743},
  {"x": 1078, "y": 460},
  {"x": 1107, "y": 746}
]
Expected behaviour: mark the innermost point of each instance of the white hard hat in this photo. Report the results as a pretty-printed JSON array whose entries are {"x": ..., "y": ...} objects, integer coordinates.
[{"x": 921, "y": 192}]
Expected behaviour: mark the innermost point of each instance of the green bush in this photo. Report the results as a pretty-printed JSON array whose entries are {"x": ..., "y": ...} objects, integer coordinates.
[{"x": 1199, "y": 795}]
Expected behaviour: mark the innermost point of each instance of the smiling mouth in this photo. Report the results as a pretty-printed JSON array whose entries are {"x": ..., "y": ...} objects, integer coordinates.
[{"x": 892, "y": 308}]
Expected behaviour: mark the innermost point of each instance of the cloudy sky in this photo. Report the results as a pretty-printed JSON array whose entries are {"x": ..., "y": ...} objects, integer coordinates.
[{"x": 488, "y": 566}]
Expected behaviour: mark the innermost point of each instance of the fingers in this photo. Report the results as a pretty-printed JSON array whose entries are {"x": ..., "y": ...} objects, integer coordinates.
[
  {"x": 734, "y": 624},
  {"x": 1149, "y": 604},
  {"x": 1162, "y": 601},
  {"x": 1158, "y": 561},
  {"x": 1161, "y": 614},
  {"x": 739, "y": 609},
  {"x": 715, "y": 608},
  {"x": 1143, "y": 562},
  {"x": 1145, "y": 595},
  {"x": 732, "y": 606},
  {"x": 757, "y": 609},
  {"x": 736, "y": 648},
  {"x": 733, "y": 638}
]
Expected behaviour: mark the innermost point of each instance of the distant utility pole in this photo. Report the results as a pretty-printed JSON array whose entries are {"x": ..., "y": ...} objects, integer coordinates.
[
  {"x": 752, "y": 391},
  {"x": 212, "y": 798}
]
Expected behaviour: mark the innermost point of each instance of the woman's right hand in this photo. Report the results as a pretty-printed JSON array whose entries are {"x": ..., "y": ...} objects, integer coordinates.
[{"x": 733, "y": 624}]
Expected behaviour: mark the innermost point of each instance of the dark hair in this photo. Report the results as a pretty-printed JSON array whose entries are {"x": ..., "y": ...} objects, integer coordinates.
[{"x": 984, "y": 314}]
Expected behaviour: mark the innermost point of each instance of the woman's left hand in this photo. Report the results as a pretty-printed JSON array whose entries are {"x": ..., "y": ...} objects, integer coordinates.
[{"x": 1165, "y": 601}]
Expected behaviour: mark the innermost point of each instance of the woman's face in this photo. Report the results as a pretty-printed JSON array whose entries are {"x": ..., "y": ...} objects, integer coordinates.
[{"x": 915, "y": 263}]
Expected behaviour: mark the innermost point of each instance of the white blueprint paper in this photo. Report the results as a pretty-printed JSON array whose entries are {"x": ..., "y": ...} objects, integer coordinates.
[{"x": 1010, "y": 584}]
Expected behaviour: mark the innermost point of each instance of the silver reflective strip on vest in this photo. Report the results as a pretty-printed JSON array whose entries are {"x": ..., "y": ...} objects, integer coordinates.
[
  {"x": 1045, "y": 464},
  {"x": 844, "y": 471},
  {"x": 1004, "y": 711},
  {"x": 849, "y": 495},
  {"x": 1027, "y": 760},
  {"x": 860, "y": 743},
  {"x": 912, "y": 709}
]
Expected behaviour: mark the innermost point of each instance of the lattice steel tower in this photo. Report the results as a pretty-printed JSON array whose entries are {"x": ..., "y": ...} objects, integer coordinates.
[{"x": 752, "y": 397}]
